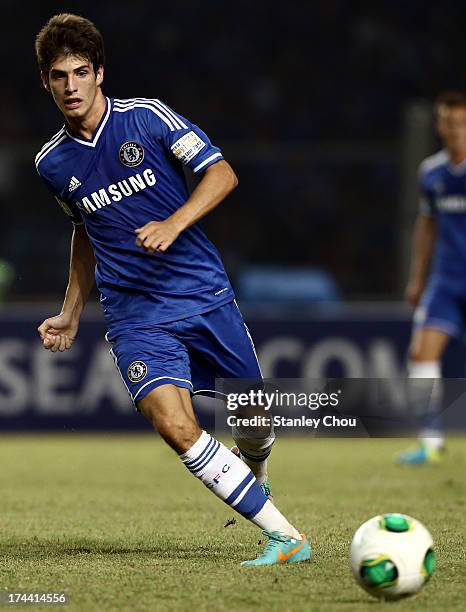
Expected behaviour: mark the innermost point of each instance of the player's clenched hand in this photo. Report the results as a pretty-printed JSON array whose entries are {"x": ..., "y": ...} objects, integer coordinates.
[
  {"x": 157, "y": 236},
  {"x": 58, "y": 333}
]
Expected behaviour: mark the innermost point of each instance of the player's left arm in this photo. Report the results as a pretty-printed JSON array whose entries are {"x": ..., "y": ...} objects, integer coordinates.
[{"x": 217, "y": 182}]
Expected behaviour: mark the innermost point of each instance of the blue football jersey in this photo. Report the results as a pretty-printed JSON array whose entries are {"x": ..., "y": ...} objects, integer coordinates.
[
  {"x": 131, "y": 173},
  {"x": 443, "y": 195}
]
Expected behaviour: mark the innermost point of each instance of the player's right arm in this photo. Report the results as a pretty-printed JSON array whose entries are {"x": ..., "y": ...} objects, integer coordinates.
[
  {"x": 58, "y": 332},
  {"x": 425, "y": 232}
]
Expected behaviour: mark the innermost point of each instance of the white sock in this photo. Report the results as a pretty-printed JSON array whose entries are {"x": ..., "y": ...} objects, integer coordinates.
[
  {"x": 269, "y": 518},
  {"x": 424, "y": 369},
  {"x": 431, "y": 433},
  {"x": 232, "y": 481},
  {"x": 254, "y": 451},
  {"x": 258, "y": 468},
  {"x": 432, "y": 439}
]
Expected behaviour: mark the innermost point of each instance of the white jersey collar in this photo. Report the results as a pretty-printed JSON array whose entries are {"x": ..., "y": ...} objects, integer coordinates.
[{"x": 103, "y": 121}]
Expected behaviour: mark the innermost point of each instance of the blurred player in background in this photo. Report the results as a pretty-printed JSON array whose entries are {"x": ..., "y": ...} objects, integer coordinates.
[
  {"x": 437, "y": 283},
  {"x": 116, "y": 169}
]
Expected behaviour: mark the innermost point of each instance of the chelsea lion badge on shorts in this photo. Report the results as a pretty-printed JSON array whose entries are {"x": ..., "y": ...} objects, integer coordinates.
[
  {"x": 131, "y": 153},
  {"x": 137, "y": 371}
]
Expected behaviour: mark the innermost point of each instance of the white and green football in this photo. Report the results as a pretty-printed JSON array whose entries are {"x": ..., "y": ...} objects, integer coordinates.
[{"x": 392, "y": 556}]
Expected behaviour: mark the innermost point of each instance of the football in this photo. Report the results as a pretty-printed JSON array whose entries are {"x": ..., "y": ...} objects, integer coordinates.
[{"x": 392, "y": 556}]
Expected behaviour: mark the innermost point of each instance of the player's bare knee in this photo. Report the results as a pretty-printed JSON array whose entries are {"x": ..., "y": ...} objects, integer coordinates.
[
  {"x": 177, "y": 428},
  {"x": 180, "y": 435}
]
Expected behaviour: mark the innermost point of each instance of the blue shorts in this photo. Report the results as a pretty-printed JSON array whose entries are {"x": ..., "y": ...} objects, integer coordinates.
[
  {"x": 189, "y": 353},
  {"x": 443, "y": 307}
]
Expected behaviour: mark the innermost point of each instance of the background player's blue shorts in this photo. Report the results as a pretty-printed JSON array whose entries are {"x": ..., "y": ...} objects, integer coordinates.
[
  {"x": 189, "y": 353},
  {"x": 443, "y": 306}
]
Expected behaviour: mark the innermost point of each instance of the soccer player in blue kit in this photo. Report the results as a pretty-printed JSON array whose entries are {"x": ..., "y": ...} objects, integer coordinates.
[
  {"x": 437, "y": 283},
  {"x": 116, "y": 169}
]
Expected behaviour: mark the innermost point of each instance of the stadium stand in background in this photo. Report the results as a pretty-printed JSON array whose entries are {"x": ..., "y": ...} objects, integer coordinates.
[{"x": 306, "y": 100}]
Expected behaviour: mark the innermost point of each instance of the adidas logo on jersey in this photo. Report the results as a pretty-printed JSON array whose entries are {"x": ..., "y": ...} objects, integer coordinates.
[{"x": 74, "y": 184}]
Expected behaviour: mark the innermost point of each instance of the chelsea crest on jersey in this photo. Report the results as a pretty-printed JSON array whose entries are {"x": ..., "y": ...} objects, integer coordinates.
[{"x": 130, "y": 173}]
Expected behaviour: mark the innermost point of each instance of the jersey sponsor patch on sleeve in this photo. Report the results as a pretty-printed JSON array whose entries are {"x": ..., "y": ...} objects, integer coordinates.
[{"x": 187, "y": 147}]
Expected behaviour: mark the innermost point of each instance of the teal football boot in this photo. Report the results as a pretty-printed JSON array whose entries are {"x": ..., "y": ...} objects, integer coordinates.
[
  {"x": 282, "y": 549},
  {"x": 420, "y": 455}
]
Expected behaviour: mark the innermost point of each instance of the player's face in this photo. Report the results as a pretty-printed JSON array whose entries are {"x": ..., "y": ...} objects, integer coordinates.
[
  {"x": 74, "y": 85},
  {"x": 452, "y": 127}
]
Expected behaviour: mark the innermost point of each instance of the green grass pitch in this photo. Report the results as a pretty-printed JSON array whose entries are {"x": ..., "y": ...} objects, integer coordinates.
[{"x": 119, "y": 524}]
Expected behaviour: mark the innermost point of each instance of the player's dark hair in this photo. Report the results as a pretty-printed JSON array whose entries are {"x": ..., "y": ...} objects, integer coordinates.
[
  {"x": 450, "y": 99},
  {"x": 67, "y": 34}
]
